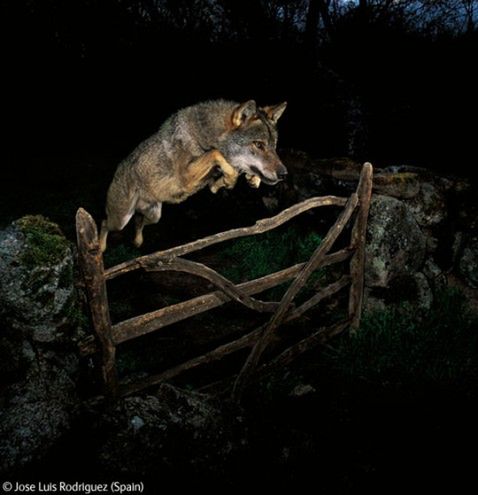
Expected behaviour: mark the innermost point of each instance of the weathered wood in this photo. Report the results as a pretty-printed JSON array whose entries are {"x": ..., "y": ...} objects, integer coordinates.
[
  {"x": 141, "y": 325},
  {"x": 319, "y": 296},
  {"x": 221, "y": 282},
  {"x": 91, "y": 265},
  {"x": 107, "y": 336},
  {"x": 358, "y": 240},
  {"x": 214, "y": 355},
  {"x": 225, "y": 349},
  {"x": 292, "y": 291},
  {"x": 317, "y": 338},
  {"x": 259, "y": 227}
]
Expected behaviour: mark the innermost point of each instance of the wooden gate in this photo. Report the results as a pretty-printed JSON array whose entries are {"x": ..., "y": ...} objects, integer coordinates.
[{"x": 107, "y": 336}]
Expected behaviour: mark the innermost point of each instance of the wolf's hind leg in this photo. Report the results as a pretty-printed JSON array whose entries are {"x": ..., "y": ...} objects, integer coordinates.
[
  {"x": 145, "y": 216},
  {"x": 103, "y": 236},
  {"x": 112, "y": 222}
]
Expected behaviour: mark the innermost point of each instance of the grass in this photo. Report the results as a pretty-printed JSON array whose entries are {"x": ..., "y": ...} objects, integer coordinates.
[
  {"x": 255, "y": 256},
  {"x": 396, "y": 347}
]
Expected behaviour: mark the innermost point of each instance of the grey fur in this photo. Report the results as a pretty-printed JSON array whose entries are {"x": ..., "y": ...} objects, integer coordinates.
[{"x": 181, "y": 158}]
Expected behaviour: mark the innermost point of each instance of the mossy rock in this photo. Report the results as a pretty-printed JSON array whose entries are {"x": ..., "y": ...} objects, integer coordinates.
[
  {"x": 45, "y": 243},
  {"x": 36, "y": 278}
]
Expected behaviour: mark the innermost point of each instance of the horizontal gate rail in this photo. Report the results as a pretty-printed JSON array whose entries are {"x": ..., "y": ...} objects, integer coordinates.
[{"x": 260, "y": 227}]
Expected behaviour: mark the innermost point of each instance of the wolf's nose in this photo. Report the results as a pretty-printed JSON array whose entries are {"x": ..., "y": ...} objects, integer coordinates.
[{"x": 282, "y": 174}]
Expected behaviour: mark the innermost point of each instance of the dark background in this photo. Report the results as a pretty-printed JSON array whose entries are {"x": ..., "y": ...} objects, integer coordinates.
[{"x": 84, "y": 81}]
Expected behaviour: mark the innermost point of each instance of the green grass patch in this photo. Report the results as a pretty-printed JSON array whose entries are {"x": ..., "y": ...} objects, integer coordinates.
[
  {"x": 396, "y": 347},
  {"x": 252, "y": 257},
  {"x": 255, "y": 256}
]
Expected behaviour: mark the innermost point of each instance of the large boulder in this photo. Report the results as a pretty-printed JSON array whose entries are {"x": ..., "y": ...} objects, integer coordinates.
[
  {"x": 174, "y": 428},
  {"x": 38, "y": 327},
  {"x": 396, "y": 246},
  {"x": 429, "y": 206},
  {"x": 36, "y": 278},
  {"x": 37, "y": 410}
]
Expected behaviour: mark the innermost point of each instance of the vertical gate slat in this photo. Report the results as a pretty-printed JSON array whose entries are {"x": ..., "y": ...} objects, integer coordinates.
[
  {"x": 302, "y": 277},
  {"x": 358, "y": 240},
  {"x": 91, "y": 264}
]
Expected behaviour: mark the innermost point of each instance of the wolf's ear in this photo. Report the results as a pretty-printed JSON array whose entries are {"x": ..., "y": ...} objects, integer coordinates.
[
  {"x": 243, "y": 112},
  {"x": 274, "y": 112}
]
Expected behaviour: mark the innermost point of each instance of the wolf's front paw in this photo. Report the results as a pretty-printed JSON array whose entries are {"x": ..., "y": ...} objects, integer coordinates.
[
  {"x": 215, "y": 186},
  {"x": 230, "y": 179},
  {"x": 253, "y": 180}
]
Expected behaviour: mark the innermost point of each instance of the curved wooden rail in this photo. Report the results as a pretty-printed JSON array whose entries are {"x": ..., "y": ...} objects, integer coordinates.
[
  {"x": 221, "y": 282},
  {"x": 259, "y": 227}
]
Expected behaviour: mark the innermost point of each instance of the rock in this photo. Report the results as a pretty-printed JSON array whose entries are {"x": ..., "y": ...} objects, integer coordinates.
[
  {"x": 36, "y": 278},
  {"x": 395, "y": 244},
  {"x": 424, "y": 294},
  {"x": 411, "y": 288},
  {"x": 340, "y": 175},
  {"x": 301, "y": 390},
  {"x": 402, "y": 185},
  {"x": 429, "y": 205},
  {"x": 466, "y": 205},
  {"x": 468, "y": 263},
  {"x": 38, "y": 361},
  {"x": 151, "y": 434},
  {"x": 37, "y": 411},
  {"x": 435, "y": 275}
]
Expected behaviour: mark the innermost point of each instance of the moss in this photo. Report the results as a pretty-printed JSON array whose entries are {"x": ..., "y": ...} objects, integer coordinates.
[{"x": 45, "y": 243}]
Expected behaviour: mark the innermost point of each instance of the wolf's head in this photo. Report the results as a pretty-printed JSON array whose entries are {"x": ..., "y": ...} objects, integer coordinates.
[{"x": 249, "y": 144}]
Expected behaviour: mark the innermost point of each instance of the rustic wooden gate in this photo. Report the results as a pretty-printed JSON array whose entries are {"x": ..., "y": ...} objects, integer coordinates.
[{"x": 107, "y": 336}]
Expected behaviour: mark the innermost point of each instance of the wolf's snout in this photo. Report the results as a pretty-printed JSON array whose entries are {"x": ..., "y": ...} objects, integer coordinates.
[{"x": 282, "y": 172}]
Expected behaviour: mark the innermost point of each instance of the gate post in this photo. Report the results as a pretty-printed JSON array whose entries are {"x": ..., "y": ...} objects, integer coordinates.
[
  {"x": 359, "y": 231},
  {"x": 91, "y": 264}
]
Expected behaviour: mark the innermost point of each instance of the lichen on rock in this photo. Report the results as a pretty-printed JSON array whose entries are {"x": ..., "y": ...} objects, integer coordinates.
[
  {"x": 36, "y": 278},
  {"x": 37, "y": 334},
  {"x": 396, "y": 246}
]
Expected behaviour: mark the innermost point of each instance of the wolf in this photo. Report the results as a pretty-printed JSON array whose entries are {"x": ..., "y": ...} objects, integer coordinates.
[{"x": 187, "y": 153}]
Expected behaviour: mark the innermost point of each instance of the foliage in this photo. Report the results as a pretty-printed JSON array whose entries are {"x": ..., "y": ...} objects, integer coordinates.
[
  {"x": 398, "y": 347},
  {"x": 255, "y": 256},
  {"x": 45, "y": 243}
]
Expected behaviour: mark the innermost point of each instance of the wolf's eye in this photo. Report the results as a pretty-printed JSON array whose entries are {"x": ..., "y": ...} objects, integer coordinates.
[{"x": 259, "y": 145}]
